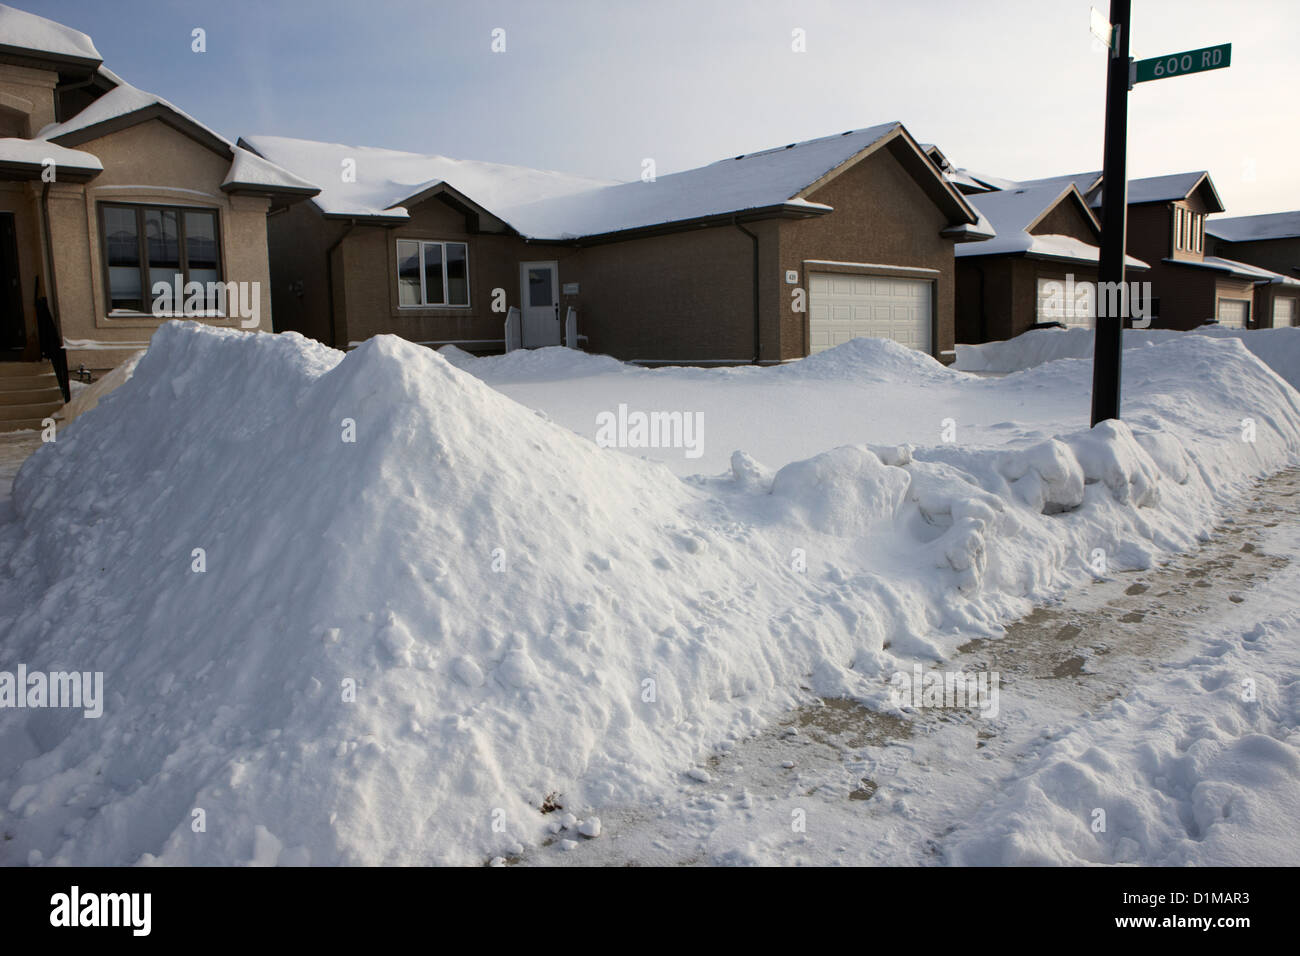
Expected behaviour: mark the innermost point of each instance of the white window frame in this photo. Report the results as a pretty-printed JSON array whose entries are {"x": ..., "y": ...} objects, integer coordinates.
[
  {"x": 1178, "y": 227},
  {"x": 424, "y": 302}
]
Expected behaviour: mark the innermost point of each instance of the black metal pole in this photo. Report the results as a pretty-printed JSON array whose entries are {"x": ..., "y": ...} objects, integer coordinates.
[{"x": 1108, "y": 346}]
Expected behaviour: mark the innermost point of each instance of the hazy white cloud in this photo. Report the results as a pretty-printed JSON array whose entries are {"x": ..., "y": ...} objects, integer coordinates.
[{"x": 1011, "y": 88}]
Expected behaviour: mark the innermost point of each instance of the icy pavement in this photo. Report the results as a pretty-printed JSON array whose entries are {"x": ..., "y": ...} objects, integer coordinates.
[{"x": 834, "y": 782}]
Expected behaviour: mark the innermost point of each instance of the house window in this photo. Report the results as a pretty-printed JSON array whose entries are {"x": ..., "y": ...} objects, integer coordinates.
[
  {"x": 1178, "y": 227},
  {"x": 432, "y": 273},
  {"x": 148, "y": 244},
  {"x": 1198, "y": 231}
]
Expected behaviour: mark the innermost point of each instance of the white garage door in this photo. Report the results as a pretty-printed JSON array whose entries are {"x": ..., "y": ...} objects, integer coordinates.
[
  {"x": 843, "y": 307},
  {"x": 1283, "y": 313},
  {"x": 1070, "y": 304},
  {"x": 1233, "y": 313}
]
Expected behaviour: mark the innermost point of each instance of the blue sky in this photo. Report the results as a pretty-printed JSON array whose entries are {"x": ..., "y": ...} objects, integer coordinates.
[{"x": 1011, "y": 88}]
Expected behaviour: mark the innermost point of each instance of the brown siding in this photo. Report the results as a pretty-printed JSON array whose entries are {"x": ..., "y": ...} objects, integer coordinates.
[
  {"x": 882, "y": 217},
  {"x": 1279, "y": 255}
]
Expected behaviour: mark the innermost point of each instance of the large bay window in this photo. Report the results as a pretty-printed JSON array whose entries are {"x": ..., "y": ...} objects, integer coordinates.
[
  {"x": 146, "y": 244},
  {"x": 432, "y": 273}
]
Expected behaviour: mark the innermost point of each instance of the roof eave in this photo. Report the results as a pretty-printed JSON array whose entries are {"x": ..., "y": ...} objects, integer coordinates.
[
  {"x": 178, "y": 122},
  {"x": 783, "y": 210},
  {"x": 27, "y": 172},
  {"x": 53, "y": 62}
]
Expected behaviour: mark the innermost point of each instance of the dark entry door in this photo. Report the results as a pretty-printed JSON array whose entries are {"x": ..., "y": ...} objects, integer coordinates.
[{"x": 13, "y": 327}]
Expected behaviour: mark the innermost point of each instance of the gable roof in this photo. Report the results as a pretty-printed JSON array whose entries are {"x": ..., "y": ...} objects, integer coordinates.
[
  {"x": 1272, "y": 225},
  {"x": 1014, "y": 214},
  {"x": 27, "y": 38},
  {"x": 1169, "y": 188},
  {"x": 778, "y": 181},
  {"x": 125, "y": 106},
  {"x": 555, "y": 206}
]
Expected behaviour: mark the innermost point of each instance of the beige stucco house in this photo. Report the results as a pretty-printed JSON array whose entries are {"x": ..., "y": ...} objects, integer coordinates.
[{"x": 105, "y": 190}]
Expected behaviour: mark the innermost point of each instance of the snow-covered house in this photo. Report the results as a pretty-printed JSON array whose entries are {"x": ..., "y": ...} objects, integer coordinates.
[
  {"x": 1191, "y": 283},
  {"x": 1270, "y": 242},
  {"x": 1040, "y": 268},
  {"x": 106, "y": 189},
  {"x": 765, "y": 257}
]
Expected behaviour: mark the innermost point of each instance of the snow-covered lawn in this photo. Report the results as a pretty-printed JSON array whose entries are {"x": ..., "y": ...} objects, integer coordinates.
[{"x": 375, "y": 609}]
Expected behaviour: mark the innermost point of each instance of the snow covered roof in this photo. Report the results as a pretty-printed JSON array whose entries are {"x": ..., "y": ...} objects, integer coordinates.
[
  {"x": 1169, "y": 188},
  {"x": 1244, "y": 269},
  {"x": 1015, "y": 212},
  {"x": 117, "y": 103},
  {"x": 248, "y": 172},
  {"x": 549, "y": 205},
  {"x": 986, "y": 182},
  {"x": 1273, "y": 225},
  {"x": 387, "y": 178},
  {"x": 763, "y": 180},
  {"x": 1084, "y": 182},
  {"x": 34, "y": 152},
  {"x": 25, "y": 32}
]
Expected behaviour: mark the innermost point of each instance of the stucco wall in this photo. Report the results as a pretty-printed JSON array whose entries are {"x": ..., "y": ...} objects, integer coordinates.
[{"x": 147, "y": 163}]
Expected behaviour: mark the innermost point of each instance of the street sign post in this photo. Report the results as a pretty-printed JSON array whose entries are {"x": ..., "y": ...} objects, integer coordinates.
[
  {"x": 1180, "y": 64},
  {"x": 1121, "y": 74},
  {"x": 1108, "y": 343}
]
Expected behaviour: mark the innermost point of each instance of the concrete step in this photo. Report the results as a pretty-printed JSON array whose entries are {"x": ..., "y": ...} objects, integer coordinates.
[
  {"x": 30, "y": 396},
  {"x": 22, "y": 383},
  {"x": 25, "y": 369},
  {"x": 22, "y": 424},
  {"x": 39, "y": 410}
]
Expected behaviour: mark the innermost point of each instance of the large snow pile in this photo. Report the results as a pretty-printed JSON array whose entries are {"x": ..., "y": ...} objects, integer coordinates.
[
  {"x": 521, "y": 612},
  {"x": 1279, "y": 349}
]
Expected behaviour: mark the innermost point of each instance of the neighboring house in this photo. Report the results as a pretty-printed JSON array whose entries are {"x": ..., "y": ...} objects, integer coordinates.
[
  {"x": 106, "y": 189},
  {"x": 1040, "y": 268},
  {"x": 1270, "y": 242},
  {"x": 764, "y": 257},
  {"x": 1190, "y": 283}
]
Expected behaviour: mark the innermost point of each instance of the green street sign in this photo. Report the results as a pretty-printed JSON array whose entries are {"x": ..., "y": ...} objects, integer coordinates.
[{"x": 1180, "y": 64}]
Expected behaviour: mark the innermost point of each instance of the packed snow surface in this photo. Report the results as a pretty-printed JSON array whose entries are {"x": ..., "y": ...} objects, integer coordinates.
[{"x": 369, "y": 609}]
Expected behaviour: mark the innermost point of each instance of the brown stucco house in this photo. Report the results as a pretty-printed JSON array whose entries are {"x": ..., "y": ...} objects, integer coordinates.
[
  {"x": 1270, "y": 242},
  {"x": 1041, "y": 268},
  {"x": 763, "y": 257},
  {"x": 106, "y": 189}
]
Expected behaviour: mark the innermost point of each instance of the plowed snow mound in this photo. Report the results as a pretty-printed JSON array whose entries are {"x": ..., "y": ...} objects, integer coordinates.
[
  {"x": 363, "y": 608},
  {"x": 1279, "y": 348}
]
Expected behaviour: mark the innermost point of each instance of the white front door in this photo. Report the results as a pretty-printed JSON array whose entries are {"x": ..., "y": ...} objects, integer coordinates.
[
  {"x": 843, "y": 306},
  {"x": 1283, "y": 313},
  {"x": 539, "y": 290}
]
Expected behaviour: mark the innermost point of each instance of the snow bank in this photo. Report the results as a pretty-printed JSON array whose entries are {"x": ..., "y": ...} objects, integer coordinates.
[
  {"x": 1279, "y": 349},
  {"x": 518, "y": 612},
  {"x": 86, "y": 398}
]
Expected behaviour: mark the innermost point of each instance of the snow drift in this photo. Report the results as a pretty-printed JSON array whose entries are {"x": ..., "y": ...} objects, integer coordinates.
[
  {"x": 421, "y": 609},
  {"x": 1279, "y": 349}
]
